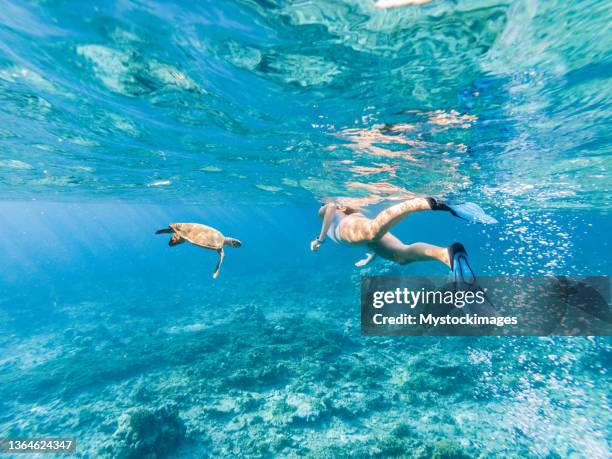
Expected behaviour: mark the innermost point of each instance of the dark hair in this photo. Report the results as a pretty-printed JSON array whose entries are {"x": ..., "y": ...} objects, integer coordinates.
[
  {"x": 350, "y": 210},
  {"x": 347, "y": 209}
]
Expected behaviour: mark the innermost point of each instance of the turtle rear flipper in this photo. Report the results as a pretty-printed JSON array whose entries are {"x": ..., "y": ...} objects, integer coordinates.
[{"x": 175, "y": 240}]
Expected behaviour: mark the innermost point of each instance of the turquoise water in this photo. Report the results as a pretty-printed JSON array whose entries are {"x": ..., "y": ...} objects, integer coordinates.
[{"x": 117, "y": 118}]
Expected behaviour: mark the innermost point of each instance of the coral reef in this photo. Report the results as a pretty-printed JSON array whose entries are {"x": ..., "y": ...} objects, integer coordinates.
[
  {"x": 256, "y": 380},
  {"x": 147, "y": 433}
]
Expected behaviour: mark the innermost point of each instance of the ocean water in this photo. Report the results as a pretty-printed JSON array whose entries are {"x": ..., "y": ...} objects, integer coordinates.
[{"x": 119, "y": 117}]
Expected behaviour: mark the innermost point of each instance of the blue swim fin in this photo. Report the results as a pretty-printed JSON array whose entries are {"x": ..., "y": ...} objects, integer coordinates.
[
  {"x": 466, "y": 211},
  {"x": 465, "y": 279},
  {"x": 470, "y": 212},
  {"x": 462, "y": 272}
]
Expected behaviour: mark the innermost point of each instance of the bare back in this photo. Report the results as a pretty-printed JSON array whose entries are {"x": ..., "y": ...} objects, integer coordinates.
[{"x": 355, "y": 229}]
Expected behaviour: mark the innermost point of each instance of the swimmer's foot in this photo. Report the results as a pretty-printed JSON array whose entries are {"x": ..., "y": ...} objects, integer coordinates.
[
  {"x": 466, "y": 211},
  {"x": 367, "y": 260},
  {"x": 459, "y": 265}
]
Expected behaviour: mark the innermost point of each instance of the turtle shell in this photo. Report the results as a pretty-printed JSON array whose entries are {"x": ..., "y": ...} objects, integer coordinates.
[{"x": 198, "y": 234}]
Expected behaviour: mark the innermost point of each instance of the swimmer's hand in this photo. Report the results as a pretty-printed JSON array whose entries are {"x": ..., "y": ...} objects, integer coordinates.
[{"x": 314, "y": 245}]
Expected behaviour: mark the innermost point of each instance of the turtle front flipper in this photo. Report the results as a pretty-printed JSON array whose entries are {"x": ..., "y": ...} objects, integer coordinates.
[
  {"x": 221, "y": 256},
  {"x": 164, "y": 231}
]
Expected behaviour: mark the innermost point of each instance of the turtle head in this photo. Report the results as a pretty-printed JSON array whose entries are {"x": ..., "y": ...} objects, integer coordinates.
[{"x": 231, "y": 242}]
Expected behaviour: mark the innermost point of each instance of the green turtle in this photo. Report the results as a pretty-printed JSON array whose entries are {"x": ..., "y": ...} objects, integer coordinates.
[{"x": 202, "y": 236}]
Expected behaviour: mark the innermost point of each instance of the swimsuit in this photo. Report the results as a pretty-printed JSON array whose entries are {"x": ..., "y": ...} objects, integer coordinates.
[{"x": 334, "y": 228}]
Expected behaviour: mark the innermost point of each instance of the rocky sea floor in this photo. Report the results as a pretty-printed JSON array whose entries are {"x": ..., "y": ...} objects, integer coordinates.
[{"x": 289, "y": 375}]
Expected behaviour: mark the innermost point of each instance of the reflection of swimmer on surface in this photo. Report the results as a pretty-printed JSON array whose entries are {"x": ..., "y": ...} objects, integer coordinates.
[
  {"x": 348, "y": 225},
  {"x": 403, "y": 140},
  {"x": 378, "y": 140},
  {"x": 377, "y": 168}
]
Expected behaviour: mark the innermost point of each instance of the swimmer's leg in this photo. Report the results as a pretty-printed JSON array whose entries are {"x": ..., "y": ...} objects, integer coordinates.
[
  {"x": 393, "y": 249},
  {"x": 388, "y": 218}
]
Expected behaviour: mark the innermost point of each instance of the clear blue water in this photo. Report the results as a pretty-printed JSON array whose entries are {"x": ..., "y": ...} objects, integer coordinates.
[{"x": 117, "y": 118}]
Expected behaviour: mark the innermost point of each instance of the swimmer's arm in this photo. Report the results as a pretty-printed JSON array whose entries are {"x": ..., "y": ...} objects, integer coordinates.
[{"x": 330, "y": 210}]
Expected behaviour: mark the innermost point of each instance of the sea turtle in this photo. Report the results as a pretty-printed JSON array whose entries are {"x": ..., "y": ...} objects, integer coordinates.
[{"x": 202, "y": 236}]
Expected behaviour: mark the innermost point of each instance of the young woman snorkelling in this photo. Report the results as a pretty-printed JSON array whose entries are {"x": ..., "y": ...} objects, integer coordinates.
[{"x": 348, "y": 225}]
